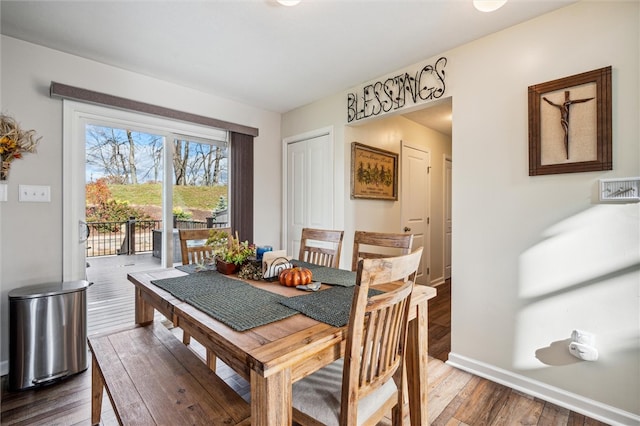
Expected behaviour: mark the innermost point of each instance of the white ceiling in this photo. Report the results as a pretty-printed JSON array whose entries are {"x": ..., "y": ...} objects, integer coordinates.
[{"x": 256, "y": 51}]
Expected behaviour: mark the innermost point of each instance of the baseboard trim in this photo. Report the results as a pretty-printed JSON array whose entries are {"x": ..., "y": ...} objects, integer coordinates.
[
  {"x": 437, "y": 282},
  {"x": 588, "y": 407}
]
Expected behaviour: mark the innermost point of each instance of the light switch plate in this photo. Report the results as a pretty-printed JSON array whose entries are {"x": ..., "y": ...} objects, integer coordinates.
[{"x": 34, "y": 193}]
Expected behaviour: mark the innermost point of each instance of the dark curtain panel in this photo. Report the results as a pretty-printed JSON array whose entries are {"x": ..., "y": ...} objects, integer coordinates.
[{"x": 241, "y": 163}]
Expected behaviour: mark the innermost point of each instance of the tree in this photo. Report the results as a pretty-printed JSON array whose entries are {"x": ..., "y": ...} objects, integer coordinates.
[
  {"x": 180, "y": 158},
  {"x": 132, "y": 158},
  {"x": 108, "y": 150}
]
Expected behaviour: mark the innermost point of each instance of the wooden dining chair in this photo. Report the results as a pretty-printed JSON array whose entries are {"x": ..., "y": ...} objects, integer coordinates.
[
  {"x": 362, "y": 387},
  {"x": 383, "y": 244},
  {"x": 194, "y": 250},
  {"x": 321, "y": 247},
  {"x": 192, "y": 244}
]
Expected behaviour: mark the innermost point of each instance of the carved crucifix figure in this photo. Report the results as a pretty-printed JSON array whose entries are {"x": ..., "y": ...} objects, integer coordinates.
[{"x": 564, "y": 115}]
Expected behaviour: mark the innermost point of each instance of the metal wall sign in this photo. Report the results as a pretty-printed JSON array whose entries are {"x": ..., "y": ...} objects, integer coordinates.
[{"x": 399, "y": 91}]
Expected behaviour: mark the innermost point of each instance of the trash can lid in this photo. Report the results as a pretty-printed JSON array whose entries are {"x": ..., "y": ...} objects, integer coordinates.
[{"x": 48, "y": 289}]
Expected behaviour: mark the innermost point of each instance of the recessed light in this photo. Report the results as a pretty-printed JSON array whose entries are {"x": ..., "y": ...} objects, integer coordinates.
[
  {"x": 488, "y": 5},
  {"x": 288, "y": 2}
]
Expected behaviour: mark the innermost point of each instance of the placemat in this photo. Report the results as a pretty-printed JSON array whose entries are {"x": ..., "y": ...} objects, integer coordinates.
[
  {"x": 233, "y": 302},
  {"x": 331, "y": 276},
  {"x": 331, "y": 306},
  {"x": 243, "y": 308},
  {"x": 196, "y": 284}
]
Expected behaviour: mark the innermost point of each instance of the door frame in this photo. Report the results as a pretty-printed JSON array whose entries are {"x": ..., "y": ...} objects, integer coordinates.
[
  {"x": 447, "y": 202},
  {"x": 324, "y": 131}
]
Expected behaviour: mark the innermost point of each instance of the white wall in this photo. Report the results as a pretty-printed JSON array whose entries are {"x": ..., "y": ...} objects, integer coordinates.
[
  {"x": 31, "y": 233},
  {"x": 536, "y": 257}
]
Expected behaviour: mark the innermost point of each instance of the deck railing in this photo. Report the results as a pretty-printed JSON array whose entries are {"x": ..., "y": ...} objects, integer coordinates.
[{"x": 133, "y": 236}]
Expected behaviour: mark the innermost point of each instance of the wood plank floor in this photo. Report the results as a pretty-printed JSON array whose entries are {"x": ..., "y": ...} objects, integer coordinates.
[{"x": 455, "y": 397}]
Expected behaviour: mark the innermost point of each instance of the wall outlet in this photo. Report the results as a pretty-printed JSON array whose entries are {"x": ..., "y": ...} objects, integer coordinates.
[
  {"x": 584, "y": 352},
  {"x": 582, "y": 345},
  {"x": 34, "y": 193}
]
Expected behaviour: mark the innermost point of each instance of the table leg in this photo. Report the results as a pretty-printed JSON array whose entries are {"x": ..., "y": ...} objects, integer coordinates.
[
  {"x": 97, "y": 389},
  {"x": 417, "y": 359},
  {"x": 271, "y": 399},
  {"x": 144, "y": 311}
]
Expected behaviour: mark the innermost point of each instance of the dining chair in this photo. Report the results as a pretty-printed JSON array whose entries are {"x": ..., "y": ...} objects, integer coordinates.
[
  {"x": 362, "y": 387},
  {"x": 194, "y": 250},
  {"x": 321, "y": 247},
  {"x": 383, "y": 245},
  {"x": 192, "y": 244}
]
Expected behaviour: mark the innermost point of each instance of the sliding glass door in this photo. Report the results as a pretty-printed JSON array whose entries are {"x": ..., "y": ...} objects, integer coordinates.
[{"x": 131, "y": 180}]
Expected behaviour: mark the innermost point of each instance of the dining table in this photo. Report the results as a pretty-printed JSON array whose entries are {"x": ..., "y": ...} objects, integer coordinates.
[{"x": 274, "y": 354}]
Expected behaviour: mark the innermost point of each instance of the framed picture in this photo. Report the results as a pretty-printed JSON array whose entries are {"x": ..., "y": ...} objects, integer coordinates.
[
  {"x": 570, "y": 124},
  {"x": 374, "y": 173}
]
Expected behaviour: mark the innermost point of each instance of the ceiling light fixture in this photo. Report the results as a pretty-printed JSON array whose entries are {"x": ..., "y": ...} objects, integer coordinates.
[
  {"x": 288, "y": 2},
  {"x": 488, "y": 5}
]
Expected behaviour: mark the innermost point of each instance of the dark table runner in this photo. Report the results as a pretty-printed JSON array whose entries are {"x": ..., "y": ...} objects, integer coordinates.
[
  {"x": 331, "y": 306},
  {"x": 242, "y": 306},
  {"x": 326, "y": 275},
  {"x": 239, "y": 305}
]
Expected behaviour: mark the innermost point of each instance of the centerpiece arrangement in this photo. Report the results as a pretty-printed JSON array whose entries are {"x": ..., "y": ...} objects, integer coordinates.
[{"x": 229, "y": 252}]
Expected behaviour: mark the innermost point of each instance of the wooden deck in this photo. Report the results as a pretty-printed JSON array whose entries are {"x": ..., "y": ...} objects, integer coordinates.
[{"x": 110, "y": 299}]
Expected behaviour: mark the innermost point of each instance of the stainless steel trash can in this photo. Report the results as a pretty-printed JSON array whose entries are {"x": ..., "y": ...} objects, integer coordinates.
[{"x": 47, "y": 333}]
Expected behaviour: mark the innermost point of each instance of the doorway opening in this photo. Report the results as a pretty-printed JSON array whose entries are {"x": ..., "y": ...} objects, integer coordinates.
[
  {"x": 438, "y": 116},
  {"x": 425, "y": 130}
]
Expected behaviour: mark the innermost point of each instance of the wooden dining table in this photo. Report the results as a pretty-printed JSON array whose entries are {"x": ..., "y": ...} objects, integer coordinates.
[{"x": 273, "y": 356}]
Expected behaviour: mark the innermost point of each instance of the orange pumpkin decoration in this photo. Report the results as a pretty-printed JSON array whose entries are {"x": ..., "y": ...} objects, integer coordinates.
[{"x": 292, "y": 277}]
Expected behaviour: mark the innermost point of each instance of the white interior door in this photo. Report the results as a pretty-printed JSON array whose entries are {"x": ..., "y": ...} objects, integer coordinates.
[
  {"x": 448, "y": 167},
  {"x": 415, "y": 203},
  {"x": 309, "y": 186}
]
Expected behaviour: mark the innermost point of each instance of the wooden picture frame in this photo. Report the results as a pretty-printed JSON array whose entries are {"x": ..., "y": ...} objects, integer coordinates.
[
  {"x": 374, "y": 173},
  {"x": 570, "y": 124}
]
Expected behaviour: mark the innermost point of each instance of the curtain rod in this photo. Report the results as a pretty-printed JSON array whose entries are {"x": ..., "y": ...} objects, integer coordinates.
[{"x": 76, "y": 93}]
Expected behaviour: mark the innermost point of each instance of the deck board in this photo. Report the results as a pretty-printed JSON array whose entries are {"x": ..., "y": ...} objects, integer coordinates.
[{"x": 110, "y": 299}]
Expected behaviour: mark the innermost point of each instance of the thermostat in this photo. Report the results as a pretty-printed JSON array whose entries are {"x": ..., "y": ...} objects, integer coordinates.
[{"x": 620, "y": 190}]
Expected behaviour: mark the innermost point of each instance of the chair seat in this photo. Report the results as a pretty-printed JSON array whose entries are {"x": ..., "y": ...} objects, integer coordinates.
[{"x": 318, "y": 395}]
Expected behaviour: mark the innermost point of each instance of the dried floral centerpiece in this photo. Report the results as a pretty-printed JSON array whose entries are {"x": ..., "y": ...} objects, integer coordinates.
[
  {"x": 13, "y": 143},
  {"x": 229, "y": 251}
]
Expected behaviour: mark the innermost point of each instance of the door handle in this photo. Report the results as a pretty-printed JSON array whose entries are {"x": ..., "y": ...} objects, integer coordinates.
[
  {"x": 407, "y": 229},
  {"x": 83, "y": 231}
]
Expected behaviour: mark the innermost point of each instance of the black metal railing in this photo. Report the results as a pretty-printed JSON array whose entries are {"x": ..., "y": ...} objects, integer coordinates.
[
  {"x": 133, "y": 236},
  {"x": 189, "y": 224}
]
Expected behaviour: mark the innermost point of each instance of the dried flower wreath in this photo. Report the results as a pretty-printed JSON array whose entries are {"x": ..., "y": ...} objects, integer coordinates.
[{"x": 14, "y": 142}]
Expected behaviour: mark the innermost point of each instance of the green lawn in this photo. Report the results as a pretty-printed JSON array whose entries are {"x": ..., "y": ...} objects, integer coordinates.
[{"x": 187, "y": 197}]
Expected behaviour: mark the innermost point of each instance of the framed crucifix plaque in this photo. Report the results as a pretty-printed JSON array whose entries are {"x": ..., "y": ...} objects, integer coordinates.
[{"x": 570, "y": 124}]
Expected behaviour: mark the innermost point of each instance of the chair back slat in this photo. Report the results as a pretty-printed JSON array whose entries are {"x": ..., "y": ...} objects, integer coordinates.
[
  {"x": 321, "y": 247},
  {"x": 378, "y": 245},
  {"x": 192, "y": 244},
  {"x": 377, "y": 330}
]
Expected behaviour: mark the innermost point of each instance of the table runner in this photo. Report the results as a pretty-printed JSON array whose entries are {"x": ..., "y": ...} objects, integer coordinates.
[
  {"x": 327, "y": 275},
  {"x": 237, "y": 304},
  {"x": 331, "y": 306}
]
